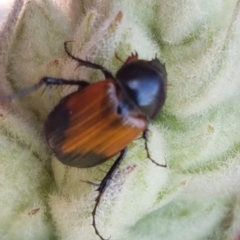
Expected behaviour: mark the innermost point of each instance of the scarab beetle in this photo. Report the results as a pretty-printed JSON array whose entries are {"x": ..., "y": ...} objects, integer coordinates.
[{"x": 99, "y": 120}]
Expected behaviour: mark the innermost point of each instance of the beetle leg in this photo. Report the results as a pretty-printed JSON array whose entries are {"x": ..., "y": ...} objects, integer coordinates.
[
  {"x": 59, "y": 81},
  {"x": 22, "y": 92},
  {"x": 145, "y": 137},
  {"x": 45, "y": 81},
  {"x": 91, "y": 183},
  {"x": 88, "y": 64},
  {"x": 103, "y": 185}
]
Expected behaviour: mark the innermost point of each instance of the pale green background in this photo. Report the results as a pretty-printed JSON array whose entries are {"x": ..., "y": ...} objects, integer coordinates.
[{"x": 5, "y": 6}]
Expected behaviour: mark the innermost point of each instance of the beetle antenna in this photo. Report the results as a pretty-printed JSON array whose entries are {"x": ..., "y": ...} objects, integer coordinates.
[
  {"x": 145, "y": 137},
  {"x": 102, "y": 187},
  {"x": 88, "y": 64},
  {"x": 118, "y": 58}
]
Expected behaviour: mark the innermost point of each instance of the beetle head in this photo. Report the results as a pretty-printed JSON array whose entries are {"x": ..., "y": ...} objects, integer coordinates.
[{"x": 143, "y": 84}]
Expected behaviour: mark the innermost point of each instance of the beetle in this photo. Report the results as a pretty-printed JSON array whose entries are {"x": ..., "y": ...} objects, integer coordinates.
[{"x": 99, "y": 120}]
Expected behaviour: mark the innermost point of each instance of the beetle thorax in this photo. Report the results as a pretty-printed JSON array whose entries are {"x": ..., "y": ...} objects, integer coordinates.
[{"x": 127, "y": 113}]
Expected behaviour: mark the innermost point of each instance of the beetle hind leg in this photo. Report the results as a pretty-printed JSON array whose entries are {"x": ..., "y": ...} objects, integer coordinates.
[
  {"x": 102, "y": 187},
  {"x": 88, "y": 64}
]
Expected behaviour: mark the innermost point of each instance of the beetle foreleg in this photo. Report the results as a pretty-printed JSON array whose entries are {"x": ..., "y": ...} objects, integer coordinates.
[
  {"x": 45, "y": 81},
  {"x": 145, "y": 137},
  {"x": 22, "y": 92},
  {"x": 59, "y": 81},
  {"x": 88, "y": 64},
  {"x": 103, "y": 185}
]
